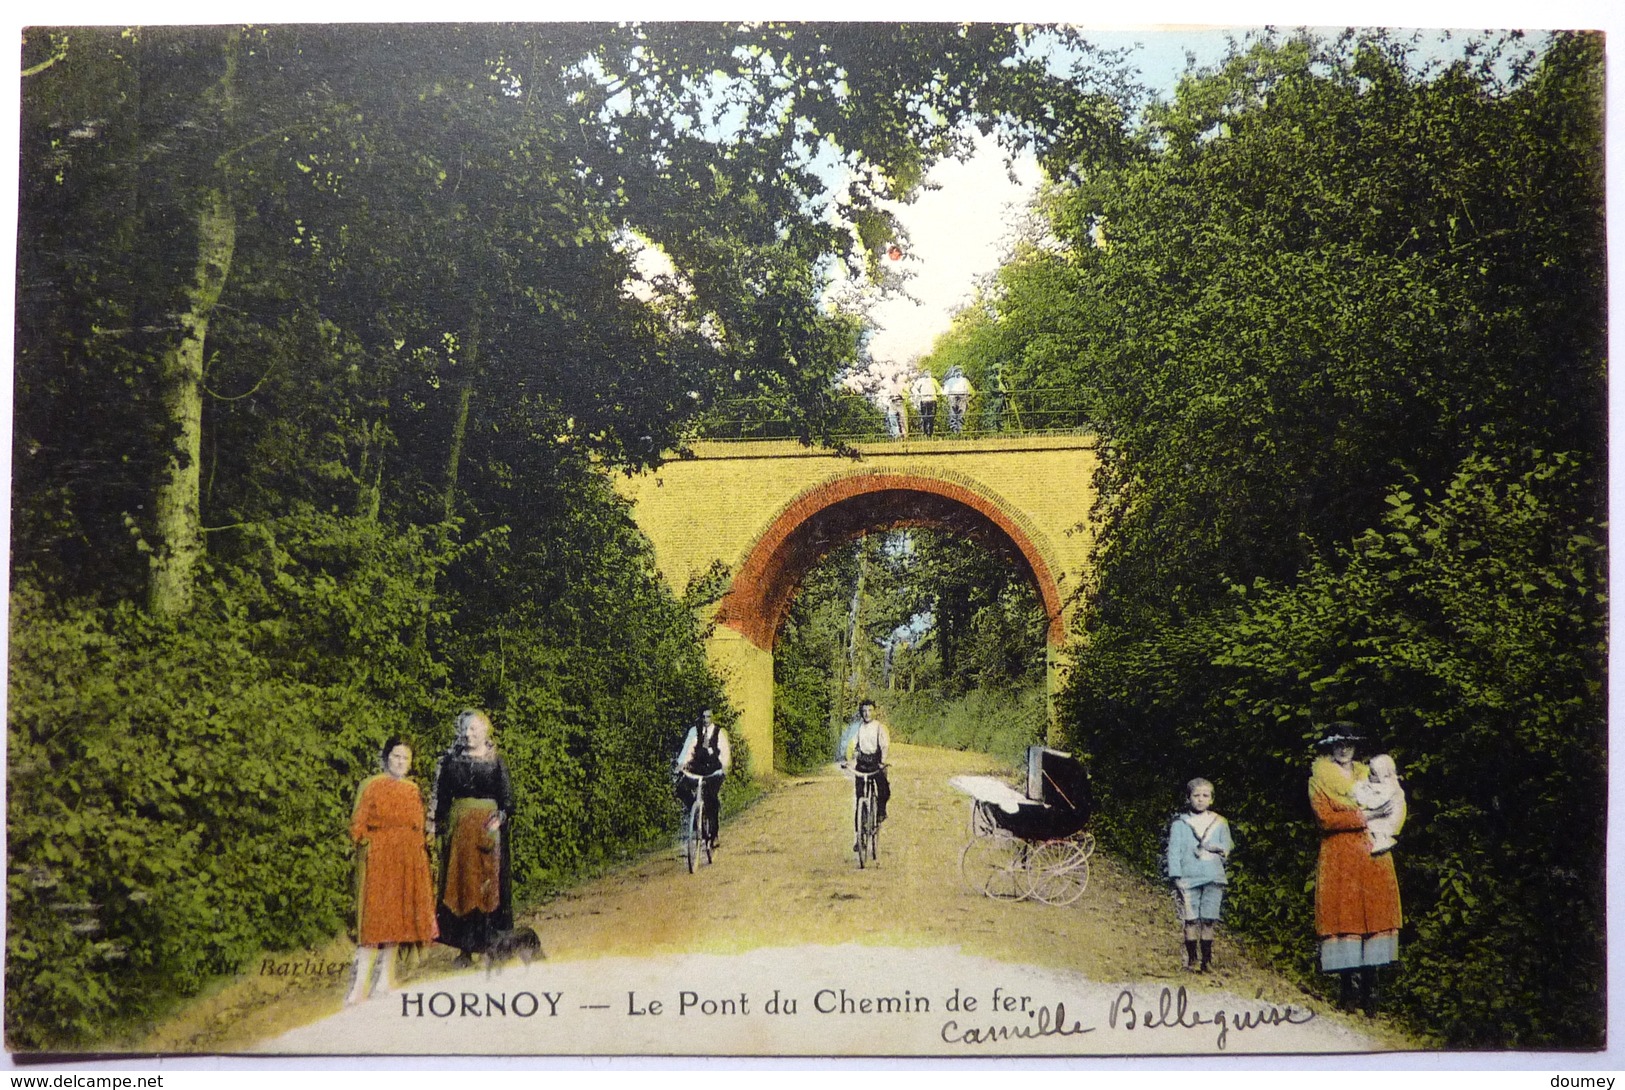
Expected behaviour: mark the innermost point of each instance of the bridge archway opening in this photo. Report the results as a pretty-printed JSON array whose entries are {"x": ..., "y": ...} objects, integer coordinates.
[
  {"x": 750, "y": 617},
  {"x": 822, "y": 520}
]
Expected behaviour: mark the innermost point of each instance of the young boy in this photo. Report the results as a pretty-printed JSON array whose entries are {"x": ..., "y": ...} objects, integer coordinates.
[{"x": 1198, "y": 844}]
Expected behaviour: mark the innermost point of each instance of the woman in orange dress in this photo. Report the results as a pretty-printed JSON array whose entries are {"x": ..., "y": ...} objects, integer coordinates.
[
  {"x": 1356, "y": 893},
  {"x": 395, "y": 902}
]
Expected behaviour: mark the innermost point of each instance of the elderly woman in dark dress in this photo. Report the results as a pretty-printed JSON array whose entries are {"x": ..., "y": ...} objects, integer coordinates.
[{"x": 473, "y": 801}]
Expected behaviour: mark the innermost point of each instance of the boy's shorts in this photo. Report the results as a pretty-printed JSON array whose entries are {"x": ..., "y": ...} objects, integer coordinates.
[{"x": 1200, "y": 902}]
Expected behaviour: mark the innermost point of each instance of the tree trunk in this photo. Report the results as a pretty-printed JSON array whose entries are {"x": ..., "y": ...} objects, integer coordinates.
[
  {"x": 372, "y": 492},
  {"x": 948, "y": 626},
  {"x": 369, "y": 475},
  {"x": 178, "y": 514},
  {"x": 179, "y": 529},
  {"x": 459, "y": 428},
  {"x": 853, "y": 668}
]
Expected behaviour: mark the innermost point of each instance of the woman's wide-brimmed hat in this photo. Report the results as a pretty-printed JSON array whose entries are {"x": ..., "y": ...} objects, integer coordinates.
[{"x": 1339, "y": 733}]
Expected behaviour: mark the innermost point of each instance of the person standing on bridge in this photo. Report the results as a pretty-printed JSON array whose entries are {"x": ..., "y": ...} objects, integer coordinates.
[
  {"x": 473, "y": 801},
  {"x": 866, "y": 744},
  {"x": 896, "y": 413},
  {"x": 924, "y": 391},
  {"x": 705, "y": 753},
  {"x": 958, "y": 390}
]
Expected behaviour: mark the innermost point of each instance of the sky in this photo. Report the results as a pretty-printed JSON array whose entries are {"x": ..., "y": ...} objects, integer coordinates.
[{"x": 956, "y": 232}]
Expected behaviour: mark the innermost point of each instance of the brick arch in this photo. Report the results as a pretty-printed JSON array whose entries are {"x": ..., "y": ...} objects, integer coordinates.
[{"x": 829, "y": 515}]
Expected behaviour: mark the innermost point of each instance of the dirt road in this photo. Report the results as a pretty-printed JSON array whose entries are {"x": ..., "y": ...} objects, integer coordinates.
[{"x": 785, "y": 910}]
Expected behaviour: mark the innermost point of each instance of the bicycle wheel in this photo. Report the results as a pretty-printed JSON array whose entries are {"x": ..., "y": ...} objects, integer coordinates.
[
  {"x": 1058, "y": 871},
  {"x": 862, "y": 821},
  {"x": 993, "y": 865},
  {"x": 872, "y": 836},
  {"x": 692, "y": 845},
  {"x": 709, "y": 840}
]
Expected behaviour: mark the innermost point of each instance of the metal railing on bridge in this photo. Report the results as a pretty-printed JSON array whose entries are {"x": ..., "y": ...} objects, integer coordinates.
[{"x": 1052, "y": 410}]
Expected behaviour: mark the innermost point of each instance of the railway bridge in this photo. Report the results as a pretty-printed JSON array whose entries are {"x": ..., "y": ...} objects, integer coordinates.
[{"x": 768, "y": 510}]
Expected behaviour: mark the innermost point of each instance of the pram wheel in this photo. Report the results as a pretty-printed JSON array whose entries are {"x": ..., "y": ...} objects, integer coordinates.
[
  {"x": 996, "y": 866},
  {"x": 1058, "y": 871}
]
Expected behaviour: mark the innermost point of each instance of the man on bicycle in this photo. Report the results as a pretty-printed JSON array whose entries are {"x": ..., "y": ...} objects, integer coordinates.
[
  {"x": 706, "y": 754},
  {"x": 871, "y": 741}
]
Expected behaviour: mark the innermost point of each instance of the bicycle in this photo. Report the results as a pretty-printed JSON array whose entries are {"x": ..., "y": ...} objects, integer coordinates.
[
  {"x": 694, "y": 835},
  {"x": 866, "y": 817}
]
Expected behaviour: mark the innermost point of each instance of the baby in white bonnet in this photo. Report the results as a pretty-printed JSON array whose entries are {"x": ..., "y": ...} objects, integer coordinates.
[{"x": 1382, "y": 801}]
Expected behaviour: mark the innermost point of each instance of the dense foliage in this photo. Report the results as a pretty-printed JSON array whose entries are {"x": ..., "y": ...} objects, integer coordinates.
[
  {"x": 180, "y": 794},
  {"x": 327, "y": 339},
  {"x": 944, "y": 634},
  {"x": 1340, "y": 325},
  {"x": 999, "y": 722}
]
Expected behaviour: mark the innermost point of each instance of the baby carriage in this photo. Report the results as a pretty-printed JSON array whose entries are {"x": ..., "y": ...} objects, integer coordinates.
[{"x": 1031, "y": 845}]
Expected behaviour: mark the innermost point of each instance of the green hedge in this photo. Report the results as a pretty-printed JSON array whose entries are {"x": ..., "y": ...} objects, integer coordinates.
[
  {"x": 1467, "y": 637},
  {"x": 179, "y": 797},
  {"x": 173, "y": 809},
  {"x": 1002, "y": 723}
]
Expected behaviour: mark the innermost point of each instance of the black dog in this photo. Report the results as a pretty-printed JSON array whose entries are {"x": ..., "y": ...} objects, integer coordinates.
[{"x": 520, "y": 943}]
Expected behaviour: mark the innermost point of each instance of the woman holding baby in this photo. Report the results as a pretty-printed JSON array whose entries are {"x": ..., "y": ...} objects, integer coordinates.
[{"x": 1359, "y": 808}]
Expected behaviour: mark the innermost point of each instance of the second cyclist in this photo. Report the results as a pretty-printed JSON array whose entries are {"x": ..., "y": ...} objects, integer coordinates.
[{"x": 867, "y": 745}]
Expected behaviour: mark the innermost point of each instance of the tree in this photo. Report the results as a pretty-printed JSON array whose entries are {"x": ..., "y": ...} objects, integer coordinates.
[
  {"x": 146, "y": 155},
  {"x": 1340, "y": 319},
  {"x": 458, "y": 194},
  {"x": 1277, "y": 268},
  {"x": 327, "y": 338}
]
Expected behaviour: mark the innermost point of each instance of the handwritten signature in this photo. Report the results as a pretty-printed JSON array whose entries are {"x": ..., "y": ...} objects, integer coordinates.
[
  {"x": 1174, "y": 1011},
  {"x": 1171, "y": 1009},
  {"x": 1045, "y": 1023}
]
